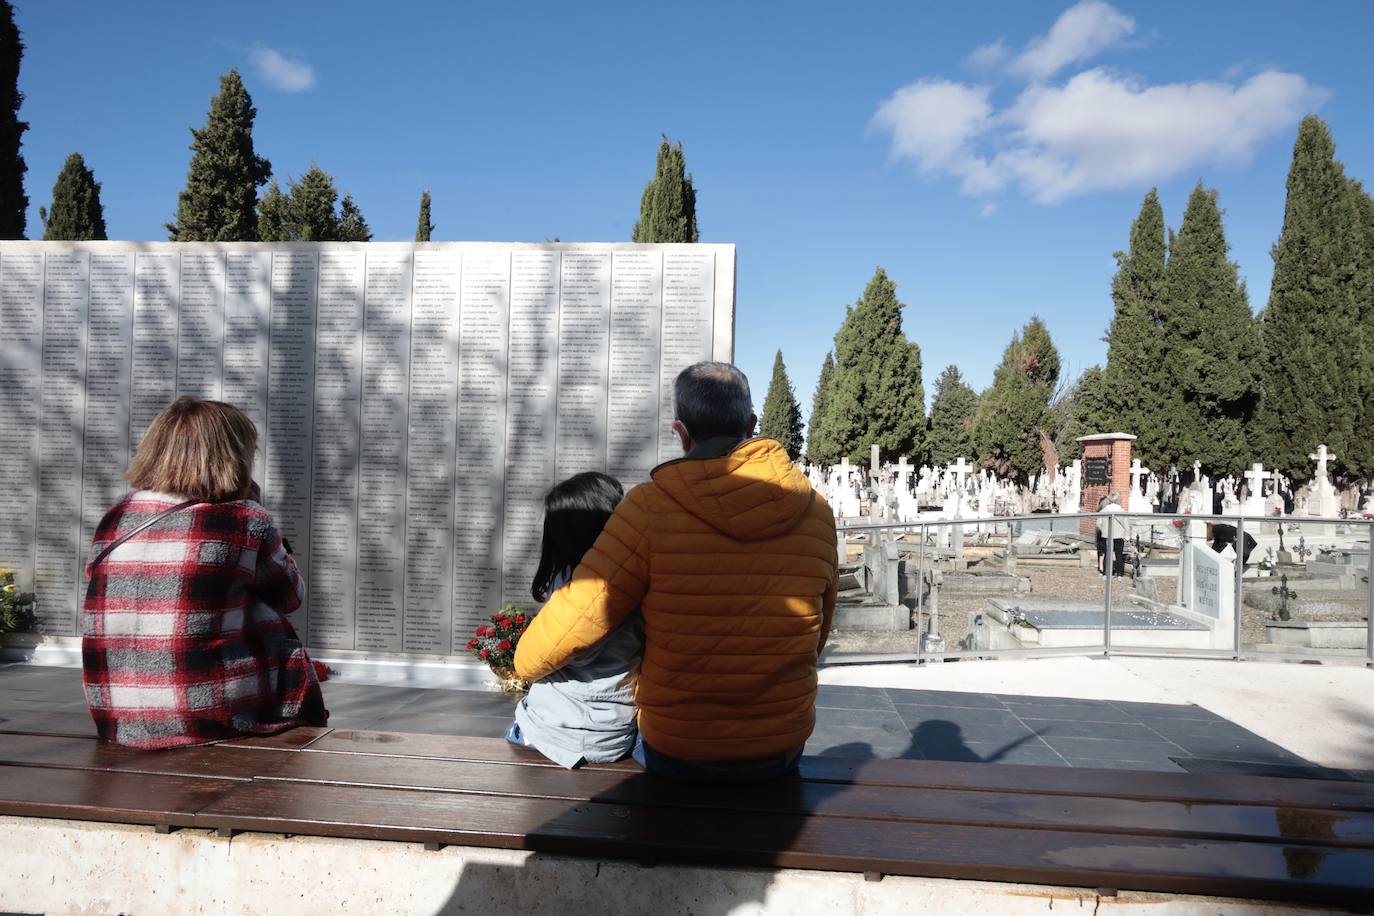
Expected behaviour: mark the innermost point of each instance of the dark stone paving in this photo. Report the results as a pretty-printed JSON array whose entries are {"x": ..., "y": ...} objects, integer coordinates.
[{"x": 859, "y": 722}]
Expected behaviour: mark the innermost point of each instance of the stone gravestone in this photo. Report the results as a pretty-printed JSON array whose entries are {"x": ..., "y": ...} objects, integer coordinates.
[
  {"x": 1323, "y": 502},
  {"x": 1135, "y": 501},
  {"x": 414, "y": 401},
  {"x": 1254, "y": 505},
  {"x": 1208, "y": 589}
]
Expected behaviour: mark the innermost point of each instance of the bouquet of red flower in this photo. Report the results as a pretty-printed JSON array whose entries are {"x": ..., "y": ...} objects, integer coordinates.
[{"x": 495, "y": 643}]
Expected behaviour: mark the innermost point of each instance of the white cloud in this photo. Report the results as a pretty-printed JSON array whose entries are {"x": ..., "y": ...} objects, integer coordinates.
[
  {"x": 1097, "y": 130},
  {"x": 988, "y": 57},
  {"x": 281, "y": 72},
  {"x": 933, "y": 121},
  {"x": 1102, "y": 131},
  {"x": 1080, "y": 33}
]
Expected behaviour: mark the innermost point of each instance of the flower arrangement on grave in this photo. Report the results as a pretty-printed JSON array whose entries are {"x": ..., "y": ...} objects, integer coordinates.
[
  {"x": 16, "y": 607},
  {"x": 495, "y": 642}
]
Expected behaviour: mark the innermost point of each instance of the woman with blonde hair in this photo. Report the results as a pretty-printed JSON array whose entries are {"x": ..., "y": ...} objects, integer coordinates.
[{"x": 184, "y": 634}]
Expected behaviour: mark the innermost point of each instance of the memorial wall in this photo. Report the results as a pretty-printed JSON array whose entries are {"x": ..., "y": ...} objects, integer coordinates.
[{"x": 413, "y": 402}]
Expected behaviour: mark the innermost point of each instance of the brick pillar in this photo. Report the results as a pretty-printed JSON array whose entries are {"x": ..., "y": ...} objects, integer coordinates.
[{"x": 1111, "y": 452}]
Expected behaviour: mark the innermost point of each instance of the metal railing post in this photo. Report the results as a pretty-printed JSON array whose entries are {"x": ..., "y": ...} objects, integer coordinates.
[
  {"x": 920, "y": 593},
  {"x": 1108, "y": 568},
  {"x": 1369, "y": 612},
  {"x": 1236, "y": 602}
]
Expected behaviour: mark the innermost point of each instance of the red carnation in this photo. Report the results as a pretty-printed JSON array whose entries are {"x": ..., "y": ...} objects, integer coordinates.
[
  {"x": 519, "y": 618},
  {"x": 503, "y": 645},
  {"x": 482, "y": 631},
  {"x": 483, "y": 654},
  {"x": 472, "y": 644}
]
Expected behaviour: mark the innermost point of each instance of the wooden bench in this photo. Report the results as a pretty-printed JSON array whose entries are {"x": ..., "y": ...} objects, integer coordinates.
[{"x": 1237, "y": 836}]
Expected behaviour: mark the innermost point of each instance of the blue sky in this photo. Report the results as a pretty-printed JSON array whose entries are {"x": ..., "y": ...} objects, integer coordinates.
[{"x": 990, "y": 156}]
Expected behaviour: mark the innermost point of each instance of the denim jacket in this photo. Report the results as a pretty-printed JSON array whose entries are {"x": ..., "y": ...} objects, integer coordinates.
[{"x": 585, "y": 711}]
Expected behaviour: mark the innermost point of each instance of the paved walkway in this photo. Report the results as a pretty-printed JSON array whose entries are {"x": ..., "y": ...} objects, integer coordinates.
[{"x": 1132, "y": 714}]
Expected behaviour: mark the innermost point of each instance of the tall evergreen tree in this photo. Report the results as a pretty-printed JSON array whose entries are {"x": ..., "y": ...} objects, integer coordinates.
[
  {"x": 352, "y": 226},
  {"x": 424, "y": 227},
  {"x": 14, "y": 203},
  {"x": 75, "y": 214},
  {"x": 951, "y": 418},
  {"x": 220, "y": 200},
  {"x": 1081, "y": 410},
  {"x": 1361, "y": 461},
  {"x": 306, "y": 212},
  {"x": 781, "y": 414},
  {"x": 877, "y": 397},
  {"x": 1312, "y": 366},
  {"x": 820, "y": 446},
  {"x": 1213, "y": 346},
  {"x": 1135, "y": 386},
  {"x": 668, "y": 208},
  {"x": 1013, "y": 413}
]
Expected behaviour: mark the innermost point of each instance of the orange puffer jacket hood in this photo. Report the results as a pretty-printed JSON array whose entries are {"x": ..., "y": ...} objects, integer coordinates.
[{"x": 732, "y": 562}]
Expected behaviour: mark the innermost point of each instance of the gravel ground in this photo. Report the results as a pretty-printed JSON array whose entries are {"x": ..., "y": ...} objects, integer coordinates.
[{"x": 1085, "y": 585}]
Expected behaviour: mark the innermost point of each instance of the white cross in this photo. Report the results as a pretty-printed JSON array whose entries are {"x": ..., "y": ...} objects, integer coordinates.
[
  {"x": 903, "y": 467},
  {"x": 1256, "y": 477},
  {"x": 960, "y": 469},
  {"x": 1322, "y": 457},
  {"x": 1197, "y": 471},
  {"x": 844, "y": 469},
  {"x": 1137, "y": 472},
  {"x": 873, "y": 459}
]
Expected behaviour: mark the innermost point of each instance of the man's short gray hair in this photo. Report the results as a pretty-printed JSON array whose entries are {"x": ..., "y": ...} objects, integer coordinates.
[{"x": 712, "y": 399}]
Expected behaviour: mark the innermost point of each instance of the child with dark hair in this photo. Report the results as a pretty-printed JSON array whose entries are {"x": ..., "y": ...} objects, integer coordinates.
[{"x": 584, "y": 711}]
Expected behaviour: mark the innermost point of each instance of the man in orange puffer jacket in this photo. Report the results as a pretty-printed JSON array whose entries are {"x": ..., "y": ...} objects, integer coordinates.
[{"x": 730, "y": 556}]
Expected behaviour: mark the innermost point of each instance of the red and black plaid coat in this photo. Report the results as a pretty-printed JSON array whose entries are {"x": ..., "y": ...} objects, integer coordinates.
[{"x": 184, "y": 634}]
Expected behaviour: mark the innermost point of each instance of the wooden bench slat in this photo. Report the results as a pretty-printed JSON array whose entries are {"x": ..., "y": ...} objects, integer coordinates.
[
  {"x": 66, "y": 724},
  {"x": 92, "y": 795},
  {"x": 208, "y": 761},
  {"x": 443, "y": 747},
  {"x": 978, "y": 777},
  {"x": 1220, "y": 788},
  {"x": 293, "y": 739},
  {"x": 1289, "y": 871},
  {"x": 950, "y": 806}
]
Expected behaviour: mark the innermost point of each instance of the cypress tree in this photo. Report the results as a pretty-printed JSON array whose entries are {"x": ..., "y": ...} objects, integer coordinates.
[
  {"x": 1213, "y": 346},
  {"x": 219, "y": 203},
  {"x": 273, "y": 214},
  {"x": 1311, "y": 327},
  {"x": 75, "y": 214},
  {"x": 424, "y": 228},
  {"x": 14, "y": 203},
  {"x": 306, "y": 212},
  {"x": 352, "y": 227},
  {"x": 668, "y": 208},
  {"x": 1361, "y": 458},
  {"x": 1014, "y": 412},
  {"x": 951, "y": 418},
  {"x": 781, "y": 414},
  {"x": 820, "y": 446},
  {"x": 1135, "y": 385},
  {"x": 876, "y": 397}
]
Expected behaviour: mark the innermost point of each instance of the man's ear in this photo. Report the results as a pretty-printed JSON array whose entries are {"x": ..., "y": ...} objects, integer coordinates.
[{"x": 683, "y": 436}]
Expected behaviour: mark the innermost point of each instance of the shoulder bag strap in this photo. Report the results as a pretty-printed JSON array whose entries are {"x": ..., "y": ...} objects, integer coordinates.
[{"x": 109, "y": 548}]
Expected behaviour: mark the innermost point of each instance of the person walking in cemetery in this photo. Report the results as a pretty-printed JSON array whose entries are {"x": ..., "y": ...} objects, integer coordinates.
[
  {"x": 184, "y": 632},
  {"x": 1111, "y": 504},
  {"x": 730, "y": 555},
  {"x": 585, "y": 710}
]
